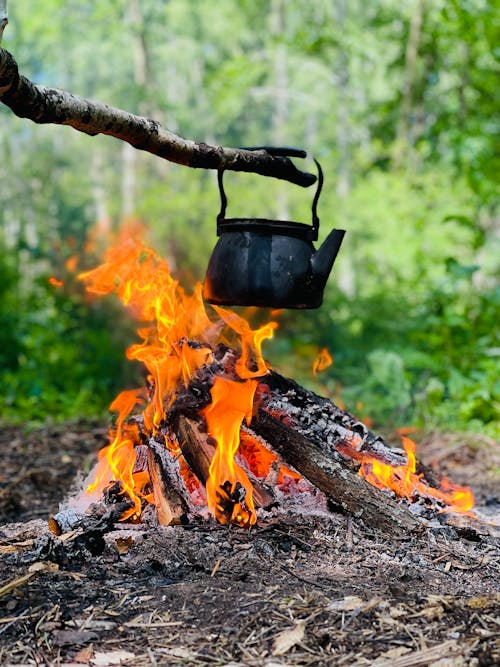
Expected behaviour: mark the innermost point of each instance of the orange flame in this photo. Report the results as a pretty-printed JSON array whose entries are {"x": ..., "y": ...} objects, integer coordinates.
[
  {"x": 251, "y": 363},
  {"x": 172, "y": 346},
  {"x": 55, "y": 282},
  {"x": 176, "y": 341},
  {"x": 177, "y": 337},
  {"x": 231, "y": 403},
  {"x": 116, "y": 462},
  {"x": 71, "y": 263},
  {"x": 405, "y": 482},
  {"x": 322, "y": 361}
]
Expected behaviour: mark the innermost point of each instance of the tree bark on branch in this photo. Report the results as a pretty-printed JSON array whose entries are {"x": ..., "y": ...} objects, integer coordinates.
[
  {"x": 51, "y": 105},
  {"x": 3, "y": 17}
]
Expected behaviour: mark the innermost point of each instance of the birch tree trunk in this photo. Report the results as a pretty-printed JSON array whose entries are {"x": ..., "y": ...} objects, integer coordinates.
[
  {"x": 142, "y": 74},
  {"x": 99, "y": 193},
  {"x": 280, "y": 101},
  {"x": 347, "y": 274},
  {"x": 411, "y": 56}
]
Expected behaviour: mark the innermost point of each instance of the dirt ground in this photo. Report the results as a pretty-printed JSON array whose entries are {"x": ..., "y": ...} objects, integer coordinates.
[{"x": 299, "y": 588}]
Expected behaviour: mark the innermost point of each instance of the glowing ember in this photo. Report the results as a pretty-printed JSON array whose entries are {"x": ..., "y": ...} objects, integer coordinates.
[
  {"x": 322, "y": 361},
  {"x": 260, "y": 460},
  {"x": 406, "y": 483}
]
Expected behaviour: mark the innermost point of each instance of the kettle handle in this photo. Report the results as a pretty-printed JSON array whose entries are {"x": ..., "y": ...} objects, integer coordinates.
[{"x": 278, "y": 151}]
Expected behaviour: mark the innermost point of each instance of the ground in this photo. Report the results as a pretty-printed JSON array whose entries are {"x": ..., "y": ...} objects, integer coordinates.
[{"x": 301, "y": 588}]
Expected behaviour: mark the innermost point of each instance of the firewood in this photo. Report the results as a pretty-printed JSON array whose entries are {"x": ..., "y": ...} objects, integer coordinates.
[
  {"x": 350, "y": 491},
  {"x": 97, "y": 517},
  {"x": 198, "y": 451},
  {"x": 170, "y": 494},
  {"x": 195, "y": 447}
]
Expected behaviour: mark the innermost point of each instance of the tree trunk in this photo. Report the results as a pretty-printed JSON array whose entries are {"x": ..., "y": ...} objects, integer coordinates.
[
  {"x": 280, "y": 95},
  {"x": 411, "y": 55}
]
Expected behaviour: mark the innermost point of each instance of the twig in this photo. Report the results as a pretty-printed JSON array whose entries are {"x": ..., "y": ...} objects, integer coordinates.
[
  {"x": 51, "y": 105},
  {"x": 35, "y": 569},
  {"x": 26, "y": 613},
  {"x": 3, "y": 17}
]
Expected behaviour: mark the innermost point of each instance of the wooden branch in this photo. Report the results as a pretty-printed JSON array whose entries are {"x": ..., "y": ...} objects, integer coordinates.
[
  {"x": 352, "y": 493},
  {"x": 3, "y": 17},
  {"x": 50, "y": 105}
]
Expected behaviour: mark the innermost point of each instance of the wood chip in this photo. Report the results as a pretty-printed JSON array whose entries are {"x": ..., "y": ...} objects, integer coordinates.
[
  {"x": 111, "y": 658},
  {"x": 66, "y": 637},
  {"x": 85, "y": 655},
  {"x": 349, "y": 603}
]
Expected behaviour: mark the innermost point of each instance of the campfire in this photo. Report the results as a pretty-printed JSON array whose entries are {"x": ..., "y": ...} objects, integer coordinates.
[{"x": 216, "y": 430}]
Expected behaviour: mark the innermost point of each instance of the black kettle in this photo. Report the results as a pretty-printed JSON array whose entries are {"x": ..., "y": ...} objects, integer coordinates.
[{"x": 270, "y": 263}]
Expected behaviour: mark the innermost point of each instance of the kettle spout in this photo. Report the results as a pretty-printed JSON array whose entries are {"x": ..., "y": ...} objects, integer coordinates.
[{"x": 323, "y": 259}]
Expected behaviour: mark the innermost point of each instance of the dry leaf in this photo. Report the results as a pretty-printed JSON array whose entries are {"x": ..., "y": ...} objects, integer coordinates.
[
  {"x": 288, "y": 638},
  {"x": 482, "y": 601},
  {"x": 85, "y": 655},
  {"x": 43, "y": 567},
  {"x": 123, "y": 545},
  {"x": 111, "y": 658}
]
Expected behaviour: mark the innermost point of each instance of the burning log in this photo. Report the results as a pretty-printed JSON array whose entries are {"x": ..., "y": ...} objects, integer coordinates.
[
  {"x": 314, "y": 457},
  {"x": 198, "y": 452},
  {"x": 334, "y": 478}
]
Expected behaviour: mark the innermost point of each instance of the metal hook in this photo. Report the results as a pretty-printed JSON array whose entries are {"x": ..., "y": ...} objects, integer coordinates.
[
  {"x": 278, "y": 151},
  {"x": 315, "y": 219}
]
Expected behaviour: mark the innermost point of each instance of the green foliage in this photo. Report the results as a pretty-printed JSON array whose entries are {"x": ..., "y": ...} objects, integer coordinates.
[
  {"x": 62, "y": 346},
  {"x": 411, "y": 312}
]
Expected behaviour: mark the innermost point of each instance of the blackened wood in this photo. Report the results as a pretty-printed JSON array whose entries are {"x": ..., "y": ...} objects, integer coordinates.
[
  {"x": 198, "y": 452},
  {"x": 348, "y": 490},
  {"x": 97, "y": 517},
  {"x": 170, "y": 493},
  {"x": 322, "y": 422}
]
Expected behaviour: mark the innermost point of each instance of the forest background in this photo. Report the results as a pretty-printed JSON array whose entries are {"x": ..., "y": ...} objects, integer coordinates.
[{"x": 397, "y": 102}]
